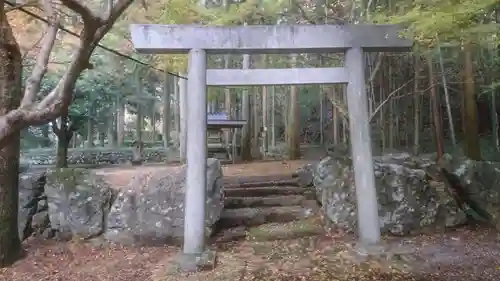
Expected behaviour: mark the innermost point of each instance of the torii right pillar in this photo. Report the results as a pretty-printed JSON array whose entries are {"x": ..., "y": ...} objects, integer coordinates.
[{"x": 368, "y": 219}]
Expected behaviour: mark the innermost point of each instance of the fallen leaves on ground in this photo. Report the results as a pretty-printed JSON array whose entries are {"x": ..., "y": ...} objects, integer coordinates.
[{"x": 466, "y": 254}]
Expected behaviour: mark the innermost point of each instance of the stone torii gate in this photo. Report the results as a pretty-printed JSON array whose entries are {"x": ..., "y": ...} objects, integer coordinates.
[{"x": 198, "y": 41}]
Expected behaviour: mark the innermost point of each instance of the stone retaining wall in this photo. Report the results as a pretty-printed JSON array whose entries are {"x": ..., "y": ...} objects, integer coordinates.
[{"x": 96, "y": 156}]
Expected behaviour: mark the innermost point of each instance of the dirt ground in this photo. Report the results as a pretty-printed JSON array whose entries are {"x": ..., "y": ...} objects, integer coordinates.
[{"x": 466, "y": 254}]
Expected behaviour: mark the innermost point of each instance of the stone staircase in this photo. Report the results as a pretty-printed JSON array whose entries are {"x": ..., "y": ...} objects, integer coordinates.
[{"x": 267, "y": 208}]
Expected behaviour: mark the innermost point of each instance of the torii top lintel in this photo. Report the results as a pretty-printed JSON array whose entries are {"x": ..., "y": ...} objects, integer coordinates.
[{"x": 178, "y": 39}]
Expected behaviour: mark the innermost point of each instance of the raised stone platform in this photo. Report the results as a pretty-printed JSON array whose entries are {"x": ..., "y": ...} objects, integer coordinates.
[{"x": 96, "y": 156}]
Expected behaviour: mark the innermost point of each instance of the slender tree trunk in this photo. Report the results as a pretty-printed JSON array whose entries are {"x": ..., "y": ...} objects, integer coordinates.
[
  {"x": 153, "y": 123},
  {"x": 416, "y": 105},
  {"x": 139, "y": 123},
  {"x": 90, "y": 130},
  {"x": 45, "y": 133},
  {"x": 255, "y": 122},
  {"x": 166, "y": 110},
  {"x": 345, "y": 124},
  {"x": 227, "y": 102},
  {"x": 176, "y": 110},
  {"x": 265, "y": 120},
  {"x": 273, "y": 116},
  {"x": 63, "y": 140},
  {"x": 471, "y": 132},
  {"x": 120, "y": 122},
  {"x": 436, "y": 112},
  {"x": 383, "y": 111},
  {"x": 102, "y": 137},
  {"x": 246, "y": 136},
  {"x": 336, "y": 119},
  {"x": 111, "y": 129},
  {"x": 183, "y": 106},
  {"x": 496, "y": 77},
  {"x": 391, "y": 124},
  {"x": 447, "y": 98},
  {"x": 293, "y": 125},
  {"x": 10, "y": 98}
]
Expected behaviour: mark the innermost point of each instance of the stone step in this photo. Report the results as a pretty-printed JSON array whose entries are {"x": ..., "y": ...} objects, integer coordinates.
[
  {"x": 273, "y": 231},
  {"x": 286, "y": 182},
  {"x": 290, "y": 230},
  {"x": 262, "y": 191},
  {"x": 239, "y": 179},
  {"x": 246, "y": 202},
  {"x": 257, "y": 216}
]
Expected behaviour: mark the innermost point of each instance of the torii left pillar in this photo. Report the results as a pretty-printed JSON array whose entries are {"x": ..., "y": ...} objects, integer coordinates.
[{"x": 194, "y": 254}]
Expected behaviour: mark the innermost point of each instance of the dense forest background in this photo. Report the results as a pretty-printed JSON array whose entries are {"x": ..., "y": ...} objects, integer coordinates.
[{"x": 451, "y": 75}]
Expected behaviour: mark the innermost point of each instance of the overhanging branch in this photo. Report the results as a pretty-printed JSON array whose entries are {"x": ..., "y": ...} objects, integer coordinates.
[
  {"x": 88, "y": 17},
  {"x": 35, "y": 79}
]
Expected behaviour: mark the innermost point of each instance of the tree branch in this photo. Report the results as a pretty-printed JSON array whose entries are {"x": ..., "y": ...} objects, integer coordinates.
[
  {"x": 35, "y": 79},
  {"x": 109, "y": 8},
  {"x": 59, "y": 99},
  {"x": 88, "y": 17},
  {"x": 20, "y": 6},
  {"x": 377, "y": 67},
  {"x": 119, "y": 7},
  {"x": 33, "y": 46}
]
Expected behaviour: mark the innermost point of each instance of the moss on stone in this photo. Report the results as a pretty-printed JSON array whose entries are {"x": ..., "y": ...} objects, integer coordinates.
[
  {"x": 74, "y": 179},
  {"x": 293, "y": 229}
]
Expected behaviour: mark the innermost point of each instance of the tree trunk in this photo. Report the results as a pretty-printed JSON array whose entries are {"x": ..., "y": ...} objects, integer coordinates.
[
  {"x": 391, "y": 126},
  {"x": 273, "y": 116},
  {"x": 227, "y": 102},
  {"x": 496, "y": 77},
  {"x": 120, "y": 122},
  {"x": 102, "y": 138},
  {"x": 293, "y": 120},
  {"x": 183, "y": 106},
  {"x": 175, "y": 108},
  {"x": 62, "y": 152},
  {"x": 447, "y": 97},
  {"x": 246, "y": 136},
  {"x": 416, "y": 105},
  {"x": 111, "y": 129},
  {"x": 45, "y": 133},
  {"x": 471, "y": 149},
  {"x": 139, "y": 123},
  {"x": 153, "y": 123},
  {"x": 265, "y": 120},
  {"x": 436, "y": 112},
  {"x": 166, "y": 109},
  {"x": 10, "y": 98},
  {"x": 335, "y": 115},
  {"x": 90, "y": 130},
  {"x": 255, "y": 123},
  {"x": 63, "y": 139}
]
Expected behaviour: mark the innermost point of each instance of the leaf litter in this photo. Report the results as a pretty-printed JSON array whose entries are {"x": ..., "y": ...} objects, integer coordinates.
[{"x": 465, "y": 254}]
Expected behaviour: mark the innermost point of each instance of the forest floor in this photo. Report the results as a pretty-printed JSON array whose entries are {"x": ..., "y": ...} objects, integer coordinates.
[{"x": 465, "y": 254}]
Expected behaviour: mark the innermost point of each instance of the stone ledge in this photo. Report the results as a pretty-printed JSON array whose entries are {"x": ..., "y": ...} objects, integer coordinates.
[{"x": 96, "y": 156}]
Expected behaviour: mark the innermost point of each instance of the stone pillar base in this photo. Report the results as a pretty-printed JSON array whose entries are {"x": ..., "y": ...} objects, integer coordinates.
[
  {"x": 189, "y": 263},
  {"x": 382, "y": 256}
]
